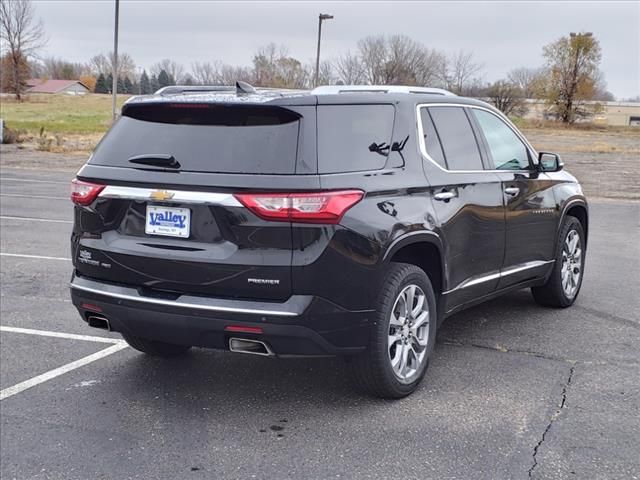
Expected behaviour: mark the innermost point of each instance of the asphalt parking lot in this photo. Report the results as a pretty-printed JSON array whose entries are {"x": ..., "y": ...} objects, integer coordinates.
[{"x": 515, "y": 391}]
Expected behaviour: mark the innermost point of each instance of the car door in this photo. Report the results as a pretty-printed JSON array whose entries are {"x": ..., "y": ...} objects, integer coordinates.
[
  {"x": 467, "y": 201},
  {"x": 530, "y": 214}
]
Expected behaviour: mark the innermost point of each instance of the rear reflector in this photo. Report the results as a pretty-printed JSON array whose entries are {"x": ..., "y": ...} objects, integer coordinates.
[
  {"x": 239, "y": 329},
  {"x": 84, "y": 193},
  {"x": 317, "y": 207},
  {"x": 91, "y": 306}
]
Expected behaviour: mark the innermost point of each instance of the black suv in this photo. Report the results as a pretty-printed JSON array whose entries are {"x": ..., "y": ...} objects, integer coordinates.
[{"x": 341, "y": 221}]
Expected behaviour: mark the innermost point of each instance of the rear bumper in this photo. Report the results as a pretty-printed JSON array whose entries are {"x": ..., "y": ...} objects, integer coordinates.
[{"x": 302, "y": 325}]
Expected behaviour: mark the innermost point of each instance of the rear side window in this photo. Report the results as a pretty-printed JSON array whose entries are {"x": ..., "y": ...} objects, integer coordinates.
[
  {"x": 205, "y": 138},
  {"x": 354, "y": 138},
  {"x": 431, "y": 140},
  {"x": 458, "y": 140}
]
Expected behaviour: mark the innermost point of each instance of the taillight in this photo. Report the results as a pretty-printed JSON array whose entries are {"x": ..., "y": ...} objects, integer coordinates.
[
  {"x": 84, "y": 193},
  {"x": 316, "y": 207}
]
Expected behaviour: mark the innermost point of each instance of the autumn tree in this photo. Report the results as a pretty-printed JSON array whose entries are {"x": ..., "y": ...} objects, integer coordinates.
[
  {"x": 89, "y": 81},
  {"x": 21, "y": 36},
  {"x": 507, "y": 97},
  {"x": 572, "y": 63},
  {"x": 273, "y": 67}
]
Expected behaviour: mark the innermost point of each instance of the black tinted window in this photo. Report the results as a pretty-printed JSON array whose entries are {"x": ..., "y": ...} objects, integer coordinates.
[
  {"x": 431, "y": 140},
  {"x": 352, "y": 138},
  {"x": 457, "y": 138},
  {"x": 218, "y": 140}
]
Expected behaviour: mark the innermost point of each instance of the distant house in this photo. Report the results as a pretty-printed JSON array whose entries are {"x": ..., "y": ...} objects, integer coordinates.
[{"x": 74, "y": 87}]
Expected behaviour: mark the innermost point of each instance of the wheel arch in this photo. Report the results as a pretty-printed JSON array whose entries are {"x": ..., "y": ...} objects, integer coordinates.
[
  {"x": 424, "y": 250},
  {"x": 578, "y": 209}
]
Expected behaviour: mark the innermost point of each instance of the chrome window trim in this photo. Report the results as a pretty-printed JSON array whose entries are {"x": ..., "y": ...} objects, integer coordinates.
[
  {"x": 502, "y": 273},
  {"x": 425, "y": 154},
  {"x": 196, "y": 303},
  {"x": 177, "y": 196}
]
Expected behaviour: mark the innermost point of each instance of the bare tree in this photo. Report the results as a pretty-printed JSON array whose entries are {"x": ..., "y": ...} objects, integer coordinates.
[
  {"x": 507, "y": 97},
  {"x": 103, "y": 64},
  {"x": 21, "y": 36},
  {"x": 349, "y": 69},
  {"x": 206, "y": 73},
  {"x": 397, "y": 59},
  {"x": 372, "y": 52},
  {"x": 459, "y": 70},
  {"x": 173, "y": 69},
  {"x": 61, "y": 69},
  {"x": 529, "y": 80},
  {"x": 230, "y": 74},
  {"x": 573, "y": 73}
]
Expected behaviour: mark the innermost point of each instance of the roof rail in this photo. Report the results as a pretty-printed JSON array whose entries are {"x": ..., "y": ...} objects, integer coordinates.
[
  {"x": 176, "y": 89},
  {"x": 336, "y": 89}
]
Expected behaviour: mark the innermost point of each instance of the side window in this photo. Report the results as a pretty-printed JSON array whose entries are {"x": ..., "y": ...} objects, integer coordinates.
[
  {"x": 457, "y": 138},
  {"x": 431, "y": 140},
  {"x": 506, "y": 149}
]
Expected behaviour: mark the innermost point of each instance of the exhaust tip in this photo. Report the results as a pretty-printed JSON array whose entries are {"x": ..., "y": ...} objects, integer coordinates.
[
  {"x": 253, "y": 347},
  {"x": 97, "y": 321}
]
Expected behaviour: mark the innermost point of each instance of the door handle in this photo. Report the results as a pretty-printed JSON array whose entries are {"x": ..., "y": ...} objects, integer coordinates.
[
  {"x": 444, "y": 196},
  {"x": 512, "y": 191}
]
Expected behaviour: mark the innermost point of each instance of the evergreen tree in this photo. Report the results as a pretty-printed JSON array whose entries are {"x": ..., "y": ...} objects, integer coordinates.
[
  {"x": 110, "y": 83},
  {"x": 101, "y": 84},
  {"x": 164, "y": 80},
  {"x": 155, "y": 85},
  {"x": 145, "y": 83},
  {"x": 120, "y": 86},
  {"x": 128, "y": 86}
]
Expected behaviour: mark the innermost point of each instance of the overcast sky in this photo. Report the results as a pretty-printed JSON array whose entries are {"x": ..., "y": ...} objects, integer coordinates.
[{"x": 503, "y": 35}]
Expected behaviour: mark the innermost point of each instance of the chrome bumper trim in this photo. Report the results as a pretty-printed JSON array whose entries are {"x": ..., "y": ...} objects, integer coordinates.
[{"x": 297, "y": 303}]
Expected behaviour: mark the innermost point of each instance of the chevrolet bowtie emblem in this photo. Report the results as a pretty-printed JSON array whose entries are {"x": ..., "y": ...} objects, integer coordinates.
[{"x": 160, "y": 195}]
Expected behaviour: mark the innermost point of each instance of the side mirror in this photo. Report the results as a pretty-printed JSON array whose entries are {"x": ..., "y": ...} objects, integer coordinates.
[{"x": 549, "y": 162}]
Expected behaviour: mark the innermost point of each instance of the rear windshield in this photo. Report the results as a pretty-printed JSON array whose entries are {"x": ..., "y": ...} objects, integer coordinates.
[
  {"x": 205, "y": 138},
  {"x": 354, "y": 138}
]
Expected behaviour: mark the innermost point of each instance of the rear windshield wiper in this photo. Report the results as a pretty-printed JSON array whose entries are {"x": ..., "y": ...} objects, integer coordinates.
[{"x": 156, "y": 160}]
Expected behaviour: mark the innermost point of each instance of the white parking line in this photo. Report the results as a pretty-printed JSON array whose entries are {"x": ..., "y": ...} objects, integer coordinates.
[
  {"x": 39, "y": 257},
  {"x": 29, "y": 219},
  {"x": 19, "y": 195},
  {"x": 116, "y": 346},
  {"x": 56, "y": 372},
  {"x": 33, "y": 180},
  {"x": 70, "y": 336}
]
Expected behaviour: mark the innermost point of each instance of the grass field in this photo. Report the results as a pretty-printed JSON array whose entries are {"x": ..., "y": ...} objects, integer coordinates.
[
  {"x": 59, "y": 114},
  {"x": 76, "y": 124}
]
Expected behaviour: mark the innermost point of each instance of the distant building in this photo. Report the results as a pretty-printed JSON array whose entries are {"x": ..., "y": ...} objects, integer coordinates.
[
  {"x": 603, "y": 113},
  {"x": 74, "y": 87}
]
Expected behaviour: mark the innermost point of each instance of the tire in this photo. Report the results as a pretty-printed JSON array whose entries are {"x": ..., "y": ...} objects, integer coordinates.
[
  {"x": 373, "y": 370},
  {"x": 155, "y": 348},
  {"x": 559, "y": 293}
]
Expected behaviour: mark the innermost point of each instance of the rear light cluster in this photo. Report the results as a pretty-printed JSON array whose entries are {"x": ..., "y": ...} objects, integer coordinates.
[
  {"x": 84, "y": 193},
  {"x": 318, "y": 207}
]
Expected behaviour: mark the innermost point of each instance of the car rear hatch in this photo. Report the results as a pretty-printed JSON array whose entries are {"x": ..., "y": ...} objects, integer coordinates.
[{"x": 158, "y": 203}]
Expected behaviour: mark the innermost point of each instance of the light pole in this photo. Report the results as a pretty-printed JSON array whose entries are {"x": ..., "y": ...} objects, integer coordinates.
[
  {"x": 114, "y": 85},
  {"x": 321, "y": 17}
]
